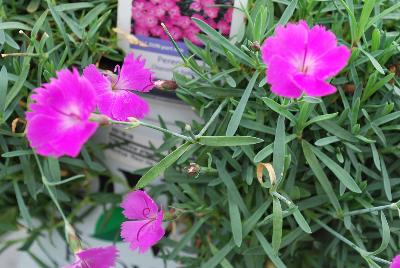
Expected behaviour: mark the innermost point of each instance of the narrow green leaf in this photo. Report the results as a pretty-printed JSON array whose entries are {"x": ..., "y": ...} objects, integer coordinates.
[
  {"x": 228, "y": 140},
  {"x": 337, "y": 131},
  {"x": 3, "y": 90},
  {"x": 301, "y": 221},
  {"x": 187, "y": 237},
  {"x": 236, "y": 223},
  {"x": 216, "y": 36},
  {"x": 269, "y": 250},
  {"x": 374, "y": 62},
  {"x": 279, "y": 109},
  {"x": 320, "y": 175},
  {"x": 22, "y": 206},
  {"x": 320, "y": 118},
  {"x": 327, "y": 140},
  {"x": 158, "y": 168},
  {"x": 11, "y": 25},
  {"x": 17, "y": 153},
  {"x": 385, "y": 235},
  {"x": 339, "y": 172},
  {"x": 369, "y": 91},
  {"x": 39, "y": 23},
  {"x": 268, "y": 150},
  {"x": 368, "y": 6},
  {"x": 214, "y": 250},
  {"x": 279, "y": 148},
  {"x": 386, "y": 180},
  {"x": 33, "y": 6},
  {"x": 288, "y": 13},
  {"x": 231, "y": 187},
  {"x": 381, "y": 15},
  {"x": 375, "y": 156},
  {"x": 277, "y": 224},
  {"x": 59, "y": 23},
  {"x": 73, "y": 6},
  {"x": 238, "y": 113}
]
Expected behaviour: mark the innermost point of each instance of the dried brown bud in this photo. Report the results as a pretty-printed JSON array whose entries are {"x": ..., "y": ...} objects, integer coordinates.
[
  {"x": 166, "y": 84},
  {"x": 193, "y": 169},
  {"x": 349, "y": 88},
  {"x": 14, "y": 124}
]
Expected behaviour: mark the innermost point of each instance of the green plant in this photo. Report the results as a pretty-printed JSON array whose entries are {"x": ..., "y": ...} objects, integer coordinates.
[
  {"x": 335, "y": 199},
  {"x": 36, "y": 39}
]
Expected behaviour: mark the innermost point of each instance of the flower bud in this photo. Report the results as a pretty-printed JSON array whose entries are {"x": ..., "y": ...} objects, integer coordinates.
[
  {"x": 193, "y": 169},
  {"x": 166, "y": 84}
]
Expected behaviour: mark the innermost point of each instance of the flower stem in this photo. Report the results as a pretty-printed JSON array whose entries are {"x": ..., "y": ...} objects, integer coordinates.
[
  {"x": 51, "y": 193},
  {"x": 141, "y": 123},
  {"x": 368, "y": 210}
]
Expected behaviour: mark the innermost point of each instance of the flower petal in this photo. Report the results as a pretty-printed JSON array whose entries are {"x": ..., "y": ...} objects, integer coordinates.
[
  {"x": 139, "y": 205},
  {"x": 141, "y": 234},
  {"x": 99, "y": 81},
  {"x": 126, "y": 104},
  {"x": 102, "y": 257},
  {"x": 320, "y": 40},
  {"x": 312, "y": 86},
  {"x": 395, "y": 262},
  {"x": 332, "y": 62},
  {"x": 279, "y": 76},
  {"x": 134, "y": 76},
  {"x": 57, "y": 135},
  {"x": 289, "y": 42}
]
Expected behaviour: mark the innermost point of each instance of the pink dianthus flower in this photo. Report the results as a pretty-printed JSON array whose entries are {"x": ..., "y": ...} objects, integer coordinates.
[
  {"x": 115, "y": 98},
  {"x": 58, "y": 121},
  {"x": 102, "y": 257},
  {"x": 300, "y": 59},
  {"x": 395, "y": 262},
  {"x": 144, "y": 228}
]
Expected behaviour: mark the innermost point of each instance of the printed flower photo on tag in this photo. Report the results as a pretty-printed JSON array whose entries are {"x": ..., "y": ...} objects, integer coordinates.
[
  {"x": 147, "y": 17},
  {"x": 140, "y": 29}
]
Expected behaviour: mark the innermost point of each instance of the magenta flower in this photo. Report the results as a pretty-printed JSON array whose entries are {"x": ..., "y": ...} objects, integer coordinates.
[
  {"x": 300, "y": 59},
  {"x": 103, "y": 257},
  {"x": 115, "y": 98},
  {"x": 211, "y": 12},
  {"x": 157, "y": 31},
  {"x": 175, "y": 32},
  {"x": 58, "y": 120},
  {"x": 159, "y": 12},
  {"x": 228, "y": 15},
  {"x": 174, "y": 12},
  {"x": 395, "y": 262},
  {"x": 145, "y": 226},
  {"x": 142, "y": 30},
  {"x": 183, "y": 22},
  {"x": 195, "y": 6},
  {"x": 223, "y": 27}
]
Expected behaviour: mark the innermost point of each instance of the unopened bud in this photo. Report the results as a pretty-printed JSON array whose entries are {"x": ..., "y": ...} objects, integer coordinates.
[
  {"x": 193, "y": 169},
  {"x": 188, "y": 128},
  {"x": 102, "y": 119},
  {"x": 166, "y": 84},
  {"x": 73, "y": 240},
  {"x": 256, "y": 46}
]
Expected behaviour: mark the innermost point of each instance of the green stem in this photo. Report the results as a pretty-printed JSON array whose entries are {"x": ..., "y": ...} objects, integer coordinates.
[
  {"x": 140, "y": 123},
  {"x": 66, "y": 180},
  {"x": 212, "y": 118},
  {"x": 368, "y": 210},
  {"x": 51, "y": 193}
]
